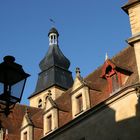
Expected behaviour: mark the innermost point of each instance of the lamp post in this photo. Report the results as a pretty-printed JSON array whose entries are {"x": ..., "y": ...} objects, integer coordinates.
[{"x": 12, "y": 83}]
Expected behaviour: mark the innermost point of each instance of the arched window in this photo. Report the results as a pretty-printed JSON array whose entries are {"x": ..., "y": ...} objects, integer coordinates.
[
  {"x": 45, "y": 99},
  {"x": 108, "y": 70},
  {"x": 40, "y": 103}
]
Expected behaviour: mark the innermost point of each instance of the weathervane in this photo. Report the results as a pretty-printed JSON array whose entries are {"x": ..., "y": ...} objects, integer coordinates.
[{"x": 52, "y": 21}]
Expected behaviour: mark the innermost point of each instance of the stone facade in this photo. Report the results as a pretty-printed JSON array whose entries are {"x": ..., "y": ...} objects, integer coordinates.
[{"x": 116, "y": 119}]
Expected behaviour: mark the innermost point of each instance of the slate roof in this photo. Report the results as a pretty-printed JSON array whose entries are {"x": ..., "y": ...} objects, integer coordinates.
[
  {"x": 53, "y": 30},
  {"x": 54, "y": 57}
]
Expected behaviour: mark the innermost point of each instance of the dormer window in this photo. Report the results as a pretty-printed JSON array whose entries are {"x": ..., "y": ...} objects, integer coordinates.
[
  {"x": 115, "y": 76},
  {"x": 27, "y": 127},
  {"x": 79, "y": 101},
  {"x": 50, "y": 119},
  {"x": 112, "y": 78},
  {"x": 109, "y": 70},
  {"x": 49, "y": 123},
  {"x": 40, "y": 103},
  {"x": 115, "y": 82},
  {"x": 80, "y": 95},
  {"x": 25, "y": 136}
]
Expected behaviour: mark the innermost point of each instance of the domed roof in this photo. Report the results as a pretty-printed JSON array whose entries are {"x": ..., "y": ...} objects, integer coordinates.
[{"x": 53, "y": 30}]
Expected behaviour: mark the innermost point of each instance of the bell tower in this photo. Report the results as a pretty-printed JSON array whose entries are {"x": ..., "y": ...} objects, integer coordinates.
[
  {"x": 54, "y": 75},
  {"x": 53, "y": 37},
  {"x": 132, "y": 8}
]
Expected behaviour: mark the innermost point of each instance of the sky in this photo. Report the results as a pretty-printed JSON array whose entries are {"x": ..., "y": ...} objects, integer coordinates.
[{"x": 88, "y": 30}]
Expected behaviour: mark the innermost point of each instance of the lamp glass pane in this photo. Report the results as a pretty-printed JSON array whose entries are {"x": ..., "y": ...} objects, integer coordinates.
[
  {"x": 1, "y": 88},
  {"x": 16, "y": 90}
]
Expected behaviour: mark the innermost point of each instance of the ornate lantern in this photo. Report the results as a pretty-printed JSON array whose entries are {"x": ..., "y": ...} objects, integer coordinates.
[{"x": 12, "y": 83}]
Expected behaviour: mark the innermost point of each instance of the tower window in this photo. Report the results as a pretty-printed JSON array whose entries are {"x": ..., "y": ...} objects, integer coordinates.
[
  {"x": 51, "y": 37},
  {"x": 79, "y": 101},
  {"x": 40, "y": 103}
]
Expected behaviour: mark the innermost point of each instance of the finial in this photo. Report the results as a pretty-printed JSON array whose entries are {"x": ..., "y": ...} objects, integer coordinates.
[
  {"x": 49, "y": 93},
  {"x": 9, "y": 59},
  {"x": 27, "y": 111},
  {"x": 106, "y": 56},
  {"x": 52, "y": 21},
  {"x": 78, "y": 71}
]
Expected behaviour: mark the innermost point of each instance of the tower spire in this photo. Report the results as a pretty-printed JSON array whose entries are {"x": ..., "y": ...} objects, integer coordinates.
[{"x": 54, "y": 67}]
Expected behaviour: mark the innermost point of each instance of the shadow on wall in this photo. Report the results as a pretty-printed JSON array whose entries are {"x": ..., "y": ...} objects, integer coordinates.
[
  {"x": 129, "y": 129},
  {"x": 107, "y": 128},
  {"x": 104, "y": 123}
]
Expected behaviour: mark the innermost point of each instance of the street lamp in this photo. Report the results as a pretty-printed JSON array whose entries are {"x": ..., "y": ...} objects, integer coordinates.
[{"x": 12, "y": 83}]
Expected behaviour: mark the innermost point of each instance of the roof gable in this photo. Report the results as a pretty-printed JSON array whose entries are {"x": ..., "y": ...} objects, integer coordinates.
[
  {"x": 50, "y": 103},
  {"x": 26, "y": 120}
]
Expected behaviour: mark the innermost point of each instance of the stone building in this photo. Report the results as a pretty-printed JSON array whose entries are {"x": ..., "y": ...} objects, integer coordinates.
[{"x": 105, "y": 105}]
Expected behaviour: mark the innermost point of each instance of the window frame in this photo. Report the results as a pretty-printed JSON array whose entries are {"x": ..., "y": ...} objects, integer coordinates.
[
  {"x": 79, "y": 103},
  {"x": 25, "y": 135},
  {"x": 49, "y": 123},
  {"x": 40, "y": 103}
]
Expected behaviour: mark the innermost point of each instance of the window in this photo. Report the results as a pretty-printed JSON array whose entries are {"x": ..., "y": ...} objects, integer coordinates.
[
  {"x": 115, "y": 75},
  {"x": 49, "y": 123},
  {"x": 109, "y": 71},
  {"x": 79, "y": 101},
  {"x": 54, "y": 37},
  {"x": 46, "y": 99},
  {"x": 115, "y": 82},
  {"x": 40, "y": 103},
  {"x": 112, "y": 77},
  {"x": 25, "y": 136}
]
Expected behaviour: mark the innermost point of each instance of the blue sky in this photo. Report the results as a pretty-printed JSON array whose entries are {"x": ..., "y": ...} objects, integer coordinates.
[{"x": 88, "y": 29}]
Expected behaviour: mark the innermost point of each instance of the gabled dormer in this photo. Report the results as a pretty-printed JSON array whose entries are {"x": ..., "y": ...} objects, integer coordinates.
[
  {"x": 116, "y": 76},
  {"x": 79, "y": 95},
  {"x": 27, "y": 127},
  {"x": 50, "y": 116}
]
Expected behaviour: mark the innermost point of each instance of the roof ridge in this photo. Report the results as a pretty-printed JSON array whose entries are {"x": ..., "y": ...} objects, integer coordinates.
[{"x": 31, "y": 107}]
